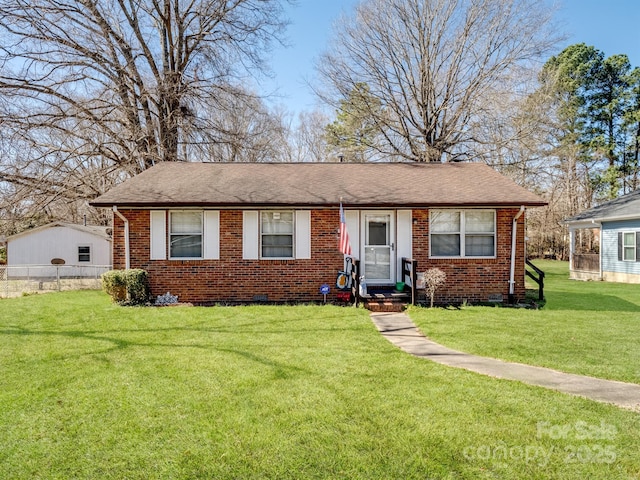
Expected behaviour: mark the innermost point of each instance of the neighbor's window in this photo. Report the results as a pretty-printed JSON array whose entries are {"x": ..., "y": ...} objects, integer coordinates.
[
  {"x": 463, "y": 233},
  {"x": 276, "y": 234},
  {"x": 629, "y": 246},
  {"x": 185, "y": 235},
  {"x": 84, "y": 253}
]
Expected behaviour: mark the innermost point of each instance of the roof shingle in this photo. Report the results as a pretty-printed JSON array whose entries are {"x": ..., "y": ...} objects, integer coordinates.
[
  {"x": 179, "y": 184},
  {"x": 627, "y": 206}
]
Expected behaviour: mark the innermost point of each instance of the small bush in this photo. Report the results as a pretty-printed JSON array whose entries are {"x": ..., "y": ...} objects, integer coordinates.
[
  {"x": 127, "y": 287},
  {"x": 433, "y": 279}
]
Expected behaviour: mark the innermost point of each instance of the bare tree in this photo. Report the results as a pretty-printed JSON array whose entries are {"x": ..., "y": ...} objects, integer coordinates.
[
  {"x": 308, "y": 139},
  {"x": 91, "y": 91},
  {"x": 435, "y": 67},
  {"x": 252, "y": 133},
  {"x": 121, "y": 77}
]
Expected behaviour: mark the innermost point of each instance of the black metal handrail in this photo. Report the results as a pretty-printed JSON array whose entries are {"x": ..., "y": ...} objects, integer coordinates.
[
  {"x": 409, "y": 270},
  {"x": 539, "y": 279}
]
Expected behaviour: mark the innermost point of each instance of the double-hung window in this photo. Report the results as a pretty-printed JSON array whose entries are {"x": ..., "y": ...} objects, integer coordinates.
[
  {"x": 629, "y": 246},
  {"x": 463, "y": 233},
  {"x": 185, "y": 234},
  {"x": 276, "y": 234},
  {"x": 84, "y": 253}
]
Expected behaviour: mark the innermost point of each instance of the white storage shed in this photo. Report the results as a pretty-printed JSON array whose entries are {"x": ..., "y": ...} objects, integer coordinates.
[{"x": 60, "y": 243}]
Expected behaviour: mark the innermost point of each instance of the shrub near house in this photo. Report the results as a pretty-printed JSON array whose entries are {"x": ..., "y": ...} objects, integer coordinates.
[{"x": 127, "y": 287}]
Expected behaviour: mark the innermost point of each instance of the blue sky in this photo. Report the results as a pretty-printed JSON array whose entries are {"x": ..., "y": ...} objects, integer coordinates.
[{"x": 612, "y": 26}]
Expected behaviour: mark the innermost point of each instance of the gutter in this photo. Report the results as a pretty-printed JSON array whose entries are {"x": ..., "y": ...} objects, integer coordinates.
[
  {"x": 126, "y": 237},
  {"x": 514, "y": 230}
]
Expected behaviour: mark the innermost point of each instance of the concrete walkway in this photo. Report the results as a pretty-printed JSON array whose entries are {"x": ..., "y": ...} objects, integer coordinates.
[{"x": 402, "y": 332}]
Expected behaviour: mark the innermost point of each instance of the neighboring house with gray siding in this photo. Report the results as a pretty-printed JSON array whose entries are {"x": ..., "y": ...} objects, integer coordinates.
[{"x": 605, "y": 241}]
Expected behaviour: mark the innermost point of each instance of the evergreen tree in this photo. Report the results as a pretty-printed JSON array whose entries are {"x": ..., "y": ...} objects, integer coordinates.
[{"x": 353, "y": 132}]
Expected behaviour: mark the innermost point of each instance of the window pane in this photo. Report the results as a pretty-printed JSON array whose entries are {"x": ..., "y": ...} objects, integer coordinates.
[
  {"x": 445, "y": 245},
  {"x": 277, "y": 222},
  {"x": 377, "y": 263},
  {"x": 629, "y": 239},
  {"x": 378, "y": 232},
  {"x": 277, "y": 240},
  {"x": 277, "y": 252},
  {"x": 445, "y": 222},
  {"x": 84, "y": 254},
  {"x": 186, "y": 222},
  {"x": 277, "y": 246},
  {"x": 478, "y": 245},
  {"x": 186, "y": 246},
  {"x": 478, "y": 222},
  {"x": 629, "y": 254}
]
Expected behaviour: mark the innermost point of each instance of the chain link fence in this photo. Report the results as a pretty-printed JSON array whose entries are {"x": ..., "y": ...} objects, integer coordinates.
[{"x": 24, "y": 279}]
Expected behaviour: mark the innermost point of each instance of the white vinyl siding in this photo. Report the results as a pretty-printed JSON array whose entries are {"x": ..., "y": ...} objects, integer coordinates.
[
  {"x": 41, "y": 245},
  {"x": 250, "y": 235},
  {"x": 462, "y": 233},
  {"x": 211, "y": 244},
  {"x": 158, "y": 235},
  {"x": 303, "y": 234}
]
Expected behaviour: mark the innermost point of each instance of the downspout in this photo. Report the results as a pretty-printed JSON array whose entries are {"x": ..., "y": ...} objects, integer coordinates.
[
  {"x": 514, "y": 231},
  {"x": 126, "y": 237}
]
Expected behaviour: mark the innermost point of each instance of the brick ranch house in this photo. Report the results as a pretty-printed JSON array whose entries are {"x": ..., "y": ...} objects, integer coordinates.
[{"x": 216, "y": 232}]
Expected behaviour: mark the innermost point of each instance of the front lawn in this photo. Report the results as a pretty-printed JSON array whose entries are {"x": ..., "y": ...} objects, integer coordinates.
[
  {"x": 591, "y": 328},
  {"x": 92, "y": 390}
]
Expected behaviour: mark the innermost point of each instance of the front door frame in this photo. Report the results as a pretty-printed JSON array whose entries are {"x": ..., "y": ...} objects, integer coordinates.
[{"x": 391, "y": 244}]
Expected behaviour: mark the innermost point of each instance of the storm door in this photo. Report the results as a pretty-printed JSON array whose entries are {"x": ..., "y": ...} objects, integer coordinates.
[{"x": 379, "y": 256}]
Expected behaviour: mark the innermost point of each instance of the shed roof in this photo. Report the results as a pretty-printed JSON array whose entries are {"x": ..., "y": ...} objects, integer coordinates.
[
  {"x": 175, "y": 184},
  {"x": 97, "y": 230},
  {"x": 625, "y": 207}
]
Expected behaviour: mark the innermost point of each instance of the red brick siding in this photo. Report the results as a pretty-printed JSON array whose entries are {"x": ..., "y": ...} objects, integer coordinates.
[
  {"x": 474, "y": 280},
  {"x": 234, "y": 279}
]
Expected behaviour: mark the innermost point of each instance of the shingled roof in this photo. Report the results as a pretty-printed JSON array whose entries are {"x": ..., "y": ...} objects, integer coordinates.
[
  {"x": 179, "y": 184},
  {"x": 627, "y": 206},
  {"x": 97, "y": 230}
]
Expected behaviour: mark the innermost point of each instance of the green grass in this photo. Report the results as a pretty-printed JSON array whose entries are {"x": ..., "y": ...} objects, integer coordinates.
[
  {"x": 92, "y": 390},
  {"x": 590, "y": 328}
]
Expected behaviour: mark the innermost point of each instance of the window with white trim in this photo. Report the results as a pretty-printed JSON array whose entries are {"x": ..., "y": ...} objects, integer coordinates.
[
  {"x": 185, "y": 234},
  {"x": 84, "y": 253},
  {"x": 276, "y": 234},
  {"x": 462, "y": 233},
  {"x": 629, "y": 246}
]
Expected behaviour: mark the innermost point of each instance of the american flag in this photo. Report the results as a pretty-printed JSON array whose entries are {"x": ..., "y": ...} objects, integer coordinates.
[{"x": 345, "y": 244}]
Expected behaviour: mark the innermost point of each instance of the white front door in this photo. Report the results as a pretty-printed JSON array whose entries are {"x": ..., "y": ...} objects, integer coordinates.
[{"x": 379, "y": 266}]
